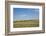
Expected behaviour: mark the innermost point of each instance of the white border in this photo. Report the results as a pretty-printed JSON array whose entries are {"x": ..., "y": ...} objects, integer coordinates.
[{"x": 25, "y": 29}]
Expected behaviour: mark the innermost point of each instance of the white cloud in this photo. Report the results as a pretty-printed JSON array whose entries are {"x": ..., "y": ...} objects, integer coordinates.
[{"x": 23, "y": 15}]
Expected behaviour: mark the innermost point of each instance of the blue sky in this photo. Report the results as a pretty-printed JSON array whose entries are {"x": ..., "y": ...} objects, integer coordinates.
[{"x": 25, "y": 13}]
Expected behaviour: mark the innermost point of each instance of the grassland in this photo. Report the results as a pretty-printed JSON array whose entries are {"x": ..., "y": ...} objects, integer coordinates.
[{"x": 25, "y": 23}]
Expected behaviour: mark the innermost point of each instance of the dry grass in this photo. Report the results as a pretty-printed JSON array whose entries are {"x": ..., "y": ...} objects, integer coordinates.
[{"x": 26, "y": 23}]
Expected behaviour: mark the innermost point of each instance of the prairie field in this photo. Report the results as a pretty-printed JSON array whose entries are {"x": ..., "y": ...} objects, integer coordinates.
[{"x": 25, "y": 23}]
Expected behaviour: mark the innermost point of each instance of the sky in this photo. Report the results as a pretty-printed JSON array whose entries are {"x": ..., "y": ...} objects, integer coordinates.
[{"x": 25, "y": 14}]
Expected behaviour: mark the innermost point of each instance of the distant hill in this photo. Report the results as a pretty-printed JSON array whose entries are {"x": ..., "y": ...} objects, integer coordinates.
[{"x": 26, "y": 20}]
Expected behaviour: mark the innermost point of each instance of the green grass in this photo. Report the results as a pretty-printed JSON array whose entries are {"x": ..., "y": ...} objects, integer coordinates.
[{"x": 25, "y": 23}]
